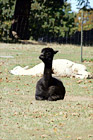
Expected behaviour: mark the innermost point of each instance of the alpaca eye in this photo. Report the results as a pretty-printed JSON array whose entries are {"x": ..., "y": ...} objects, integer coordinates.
[{"x": 48, "y": 53}]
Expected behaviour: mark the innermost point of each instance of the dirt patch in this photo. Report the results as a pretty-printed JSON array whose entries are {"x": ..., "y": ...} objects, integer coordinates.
[{"x": 77, "y": 98}]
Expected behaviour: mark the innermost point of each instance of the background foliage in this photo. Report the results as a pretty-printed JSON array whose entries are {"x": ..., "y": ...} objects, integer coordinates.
[
  {"x": 47, "y": 19},
  {"x": 87, "y": 20},
  {"x": 51, "y": 19},
  {"x": 6, "y": 16}
]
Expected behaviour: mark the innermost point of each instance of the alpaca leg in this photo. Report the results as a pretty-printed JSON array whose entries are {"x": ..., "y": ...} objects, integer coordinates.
[
  {"x": 55, "y": 94},
  {"x": 39, "y": 98},
  {"x": 55, "y": 98}
]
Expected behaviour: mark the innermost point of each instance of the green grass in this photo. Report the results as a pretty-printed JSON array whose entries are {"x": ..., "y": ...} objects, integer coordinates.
[{"x": 24, "y": 118}]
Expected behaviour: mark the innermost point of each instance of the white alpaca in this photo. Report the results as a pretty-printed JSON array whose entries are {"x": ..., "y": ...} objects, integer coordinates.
[{"x": 61, "y": 67}]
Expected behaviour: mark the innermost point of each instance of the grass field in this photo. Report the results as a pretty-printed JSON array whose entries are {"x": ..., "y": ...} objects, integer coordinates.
[{"x": 24, "y": 118}]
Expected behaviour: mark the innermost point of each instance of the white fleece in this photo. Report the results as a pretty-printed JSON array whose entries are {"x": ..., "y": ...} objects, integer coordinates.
[{"x": 61, "y": 67}]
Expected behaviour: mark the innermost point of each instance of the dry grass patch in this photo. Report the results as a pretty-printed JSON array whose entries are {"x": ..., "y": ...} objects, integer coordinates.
[{"x": 24, "y": 118}]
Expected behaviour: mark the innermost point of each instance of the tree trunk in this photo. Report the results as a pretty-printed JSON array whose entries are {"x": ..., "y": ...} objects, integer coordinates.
[{"x": 20, "y": 25}]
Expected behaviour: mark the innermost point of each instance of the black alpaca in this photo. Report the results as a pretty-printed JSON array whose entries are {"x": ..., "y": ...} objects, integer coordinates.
[{"x": 48, "y": 87}]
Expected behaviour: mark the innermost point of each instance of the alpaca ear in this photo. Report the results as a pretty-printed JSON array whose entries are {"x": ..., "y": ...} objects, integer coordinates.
[{"x": 55, "y": 52}]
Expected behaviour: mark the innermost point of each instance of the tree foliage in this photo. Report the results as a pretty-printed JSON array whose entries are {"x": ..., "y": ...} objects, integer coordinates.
[
  {"x": 47, "y": 18},
  {"x": 87, "y": 20},
  {"x": 6, "y": 15},
  {"x": 50, "y": 18},
  {"x": 83, "y": 4}
]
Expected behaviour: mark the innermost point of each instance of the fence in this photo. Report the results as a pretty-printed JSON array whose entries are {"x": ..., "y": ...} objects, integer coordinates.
[
  {"x": 73, "y": 39},
  {"x": 21, "y": 27}
]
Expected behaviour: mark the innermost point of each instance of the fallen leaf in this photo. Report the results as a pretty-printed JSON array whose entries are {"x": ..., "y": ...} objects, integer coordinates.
[
  {"x": 55, "y": 129},
  {"x": 65, "y": 115},
  {"x": 26, "y": 84},
  {"x": 1, "y": 79},
  {"x": 91, "y": 115},
  {"x": 61, "y": 124},
  {"x": 11, "y": 101},
  {"x": 52, "y": 120},
  {"x": 44, "y": 136},
  {"x": 75, "y": 114},
  {"x": 89, "y": 81},
  {"x": 17, "y": 90},
  {"x": 79, "y": 138},
  {"x": 5, "y": 125},
  {"x": 90, "y": 135},
  {"x": 79, "y": 81},
  {"x": 15, "y": 113}
]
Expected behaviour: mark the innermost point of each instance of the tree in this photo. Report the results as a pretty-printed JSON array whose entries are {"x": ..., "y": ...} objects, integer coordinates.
[
  {"x": 20, "y": 23},
  {"x": 6, "y": 14},
  {"x": 87, "y": 20},
  {"x": 83, "y": 4},
  {"x": 50, "y": 19},
  {"x": 19, "y": 27},
  {"x": 14, "y": 12}
]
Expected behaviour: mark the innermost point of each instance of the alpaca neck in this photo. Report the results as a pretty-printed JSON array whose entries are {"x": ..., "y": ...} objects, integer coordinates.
[{"x": 47, "y": 72}]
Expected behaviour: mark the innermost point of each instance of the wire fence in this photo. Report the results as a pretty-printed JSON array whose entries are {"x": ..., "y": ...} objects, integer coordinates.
[{"x": 20, "y": 29}]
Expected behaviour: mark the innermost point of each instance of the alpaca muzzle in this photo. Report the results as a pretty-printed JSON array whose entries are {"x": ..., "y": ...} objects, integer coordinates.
[{"x": 41, "y": 56}]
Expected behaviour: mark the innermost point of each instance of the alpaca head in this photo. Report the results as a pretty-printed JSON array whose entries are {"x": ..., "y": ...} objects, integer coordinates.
[{"x": 47, "y": 55}]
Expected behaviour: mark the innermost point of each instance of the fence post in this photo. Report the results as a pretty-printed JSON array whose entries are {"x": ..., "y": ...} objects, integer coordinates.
[{"x": 82, "y": 36}]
